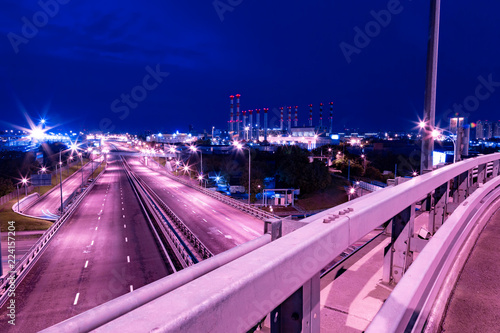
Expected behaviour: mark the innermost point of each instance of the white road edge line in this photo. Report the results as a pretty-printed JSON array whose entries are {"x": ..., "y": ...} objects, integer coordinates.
[{"x": 86, "y": 264}]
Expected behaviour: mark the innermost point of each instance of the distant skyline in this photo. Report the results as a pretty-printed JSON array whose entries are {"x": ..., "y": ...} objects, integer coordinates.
[{"x": 164, "y": 66}]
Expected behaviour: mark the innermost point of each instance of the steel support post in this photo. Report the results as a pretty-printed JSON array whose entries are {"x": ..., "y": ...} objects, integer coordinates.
[
  {"x": 397, "y": 256},
  {"x": 437, "y": 211},
  {"x": 273, "y": 227},
  {"x": 461, "y": 185},
  {"x": 481, "y": 174},
  {"x": 496, "y": 169},
  {"x": 301, "y": 311}
]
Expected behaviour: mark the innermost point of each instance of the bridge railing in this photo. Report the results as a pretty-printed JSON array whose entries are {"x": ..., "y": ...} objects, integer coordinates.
[
  {"x": 408, "y": 307},
  {"x": 282, "y": 277}
]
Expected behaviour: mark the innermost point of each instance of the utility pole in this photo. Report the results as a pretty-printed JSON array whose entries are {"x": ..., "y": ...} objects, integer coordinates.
[{"x": 430, "y": 88}]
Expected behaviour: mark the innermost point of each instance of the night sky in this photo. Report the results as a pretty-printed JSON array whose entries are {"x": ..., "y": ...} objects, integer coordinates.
[{"x": 86, "y": 55}]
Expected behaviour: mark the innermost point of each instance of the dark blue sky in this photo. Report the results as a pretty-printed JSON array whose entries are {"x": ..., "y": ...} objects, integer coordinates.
[{"x": 86, "y": 54}]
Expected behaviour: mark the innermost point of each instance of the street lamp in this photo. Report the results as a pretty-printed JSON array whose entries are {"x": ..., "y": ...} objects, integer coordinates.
[
  {"x": 363, "y": 156},
  {"x": 200, "y": 178},
  {"x": 437, "y": 133},
  {"x": 25, "y": 182},
  {"x": 352, "y": 190},
  {"x": 81, "y": 166},
  {"x": 262, "y": 194},
  {"x": 69, "y": 163},
  {"x": 60, "y": 181},
  {"x": 239, "y": 146},
  {"x": 194, "y": 149}
]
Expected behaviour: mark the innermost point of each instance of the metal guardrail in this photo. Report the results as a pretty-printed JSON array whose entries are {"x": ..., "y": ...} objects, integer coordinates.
[
  {"x": 181, "y": 251},
  {"x": 237, "y": 295},
  {"x": 408, "y": 307},
  {"x": 154, "y": 224},
  {"x": 223, "y": 198},
  {"x": 21, "y": 202},
  {"x": 21, "y": 269},
  {"x": 191, "y": 237}
]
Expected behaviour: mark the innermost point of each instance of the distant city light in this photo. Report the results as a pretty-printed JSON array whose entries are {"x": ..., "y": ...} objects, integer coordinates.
[{"x": 37, "y": 133}]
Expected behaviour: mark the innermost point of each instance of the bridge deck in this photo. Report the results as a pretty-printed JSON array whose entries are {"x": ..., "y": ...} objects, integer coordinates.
[{"x": 475, "y": 303}]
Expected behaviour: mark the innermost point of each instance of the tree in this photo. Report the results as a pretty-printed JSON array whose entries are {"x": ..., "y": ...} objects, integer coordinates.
[
  {"x": 295, "y": 171},
  {"x": 373, "y": 173},
  {"x": 6, "y": 186}
]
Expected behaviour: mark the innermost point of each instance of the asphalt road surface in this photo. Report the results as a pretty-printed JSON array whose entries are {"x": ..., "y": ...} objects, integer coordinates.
[
  {"x": 48, "y": 205},
  {"x": 104, "y": 250},
  {"x": 217, "y": 225}
]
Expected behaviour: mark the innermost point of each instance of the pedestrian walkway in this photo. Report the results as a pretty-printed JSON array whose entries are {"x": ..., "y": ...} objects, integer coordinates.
[
  {"x": 475, "y": 302},
  {"x": 352, "y": 300}
]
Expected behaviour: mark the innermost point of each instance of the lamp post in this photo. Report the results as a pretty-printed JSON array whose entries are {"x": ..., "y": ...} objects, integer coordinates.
[
  {"x": 262, "y": 194},
  {"x": 194, "y": 149},
  {"x": 60, "y": 182},
  {"x": 90, "y": 151},
  {"x": 351, "y": 192},
  {"x": 363, "y": 156},
  {"x": 81, "y": 166},
  {"x": 42, "y": 170},
  {"x": 18, "y": 210},
  {"x": 69, "y": 163},
  {"x": 25, "y": 183},
  {"x": 437, "y": 132},
  {"x": 240, "y": 147}
]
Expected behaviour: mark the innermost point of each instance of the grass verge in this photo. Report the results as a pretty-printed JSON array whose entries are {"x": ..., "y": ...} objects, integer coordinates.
[{"x": 23, "y": 223}]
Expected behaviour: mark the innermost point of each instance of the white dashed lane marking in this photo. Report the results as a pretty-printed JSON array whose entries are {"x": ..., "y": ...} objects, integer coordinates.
[{"x": 76, "y": 298}]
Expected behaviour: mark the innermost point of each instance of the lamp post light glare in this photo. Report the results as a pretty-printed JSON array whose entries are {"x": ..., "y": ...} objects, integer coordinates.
[
  {"x": 239, "y": 146},
  {"x": 194, "y": 150},
  {"x": 25, "y": 182},
  {"x": 351, "y": 192},
  {"x": 438, "y": 134}
]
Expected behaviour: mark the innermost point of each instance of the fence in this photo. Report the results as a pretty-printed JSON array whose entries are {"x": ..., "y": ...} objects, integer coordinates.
[{"x": 8, "y": 197}]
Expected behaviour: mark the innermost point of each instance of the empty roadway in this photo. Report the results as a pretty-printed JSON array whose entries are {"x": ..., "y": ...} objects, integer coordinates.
[
  {"x": 104, "y": 250},
  {"x": 217, "y": 225}
]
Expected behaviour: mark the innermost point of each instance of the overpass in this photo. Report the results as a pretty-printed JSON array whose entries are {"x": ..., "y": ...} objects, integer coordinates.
[{"x": 280, "y": 275}]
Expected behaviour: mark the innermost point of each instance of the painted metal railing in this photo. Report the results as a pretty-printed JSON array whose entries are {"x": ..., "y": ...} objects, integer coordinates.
[{"x": 282, "y": 277}]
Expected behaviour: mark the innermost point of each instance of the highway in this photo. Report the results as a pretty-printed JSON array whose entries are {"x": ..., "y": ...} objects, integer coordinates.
[
  {"x": 104, "y": 250},
  {"x": 217, "y": 225},
  {"x": 48, "y": 205}
]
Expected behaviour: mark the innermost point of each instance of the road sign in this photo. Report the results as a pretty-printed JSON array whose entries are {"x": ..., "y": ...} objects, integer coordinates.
[{"x": 41, "y": 180}]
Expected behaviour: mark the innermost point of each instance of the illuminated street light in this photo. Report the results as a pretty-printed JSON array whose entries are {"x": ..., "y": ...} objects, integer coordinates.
[
  {"x": 194, "y": 150},
  {"x": 240, "y": 147},
  {"x": 351, "y": 192},
  {"x": 437, "y": 134}
]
